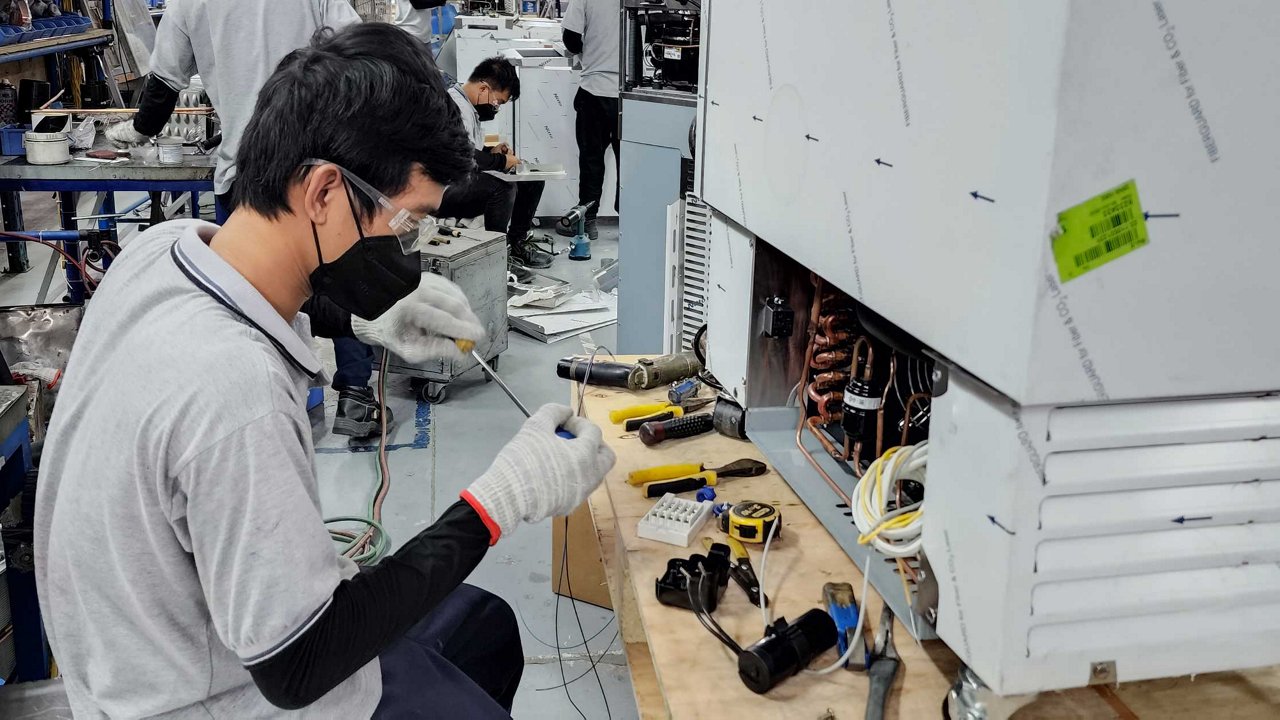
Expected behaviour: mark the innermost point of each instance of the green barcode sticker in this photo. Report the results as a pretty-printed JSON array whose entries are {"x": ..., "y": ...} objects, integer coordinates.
[{"x": 1099, "y": 230}]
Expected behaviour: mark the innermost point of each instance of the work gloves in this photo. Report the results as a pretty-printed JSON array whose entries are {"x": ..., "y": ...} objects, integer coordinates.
[
  {"x": 424, "y": 325},
  {"x": 540, "y": 474},
  {"x": 123, "y": 135}
]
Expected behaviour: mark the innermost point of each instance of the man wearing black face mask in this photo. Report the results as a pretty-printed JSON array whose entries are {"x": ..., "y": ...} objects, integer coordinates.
[
  {"x": 226, "y": 597},
  {"x": 507, "y": 207}
]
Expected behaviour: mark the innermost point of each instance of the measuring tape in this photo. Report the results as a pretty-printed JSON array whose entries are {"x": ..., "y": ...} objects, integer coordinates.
[{"x": 751, "y": 521}]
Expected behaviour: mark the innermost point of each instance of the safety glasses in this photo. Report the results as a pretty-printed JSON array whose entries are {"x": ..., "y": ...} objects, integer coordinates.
[{"x": 403, "y": 224}]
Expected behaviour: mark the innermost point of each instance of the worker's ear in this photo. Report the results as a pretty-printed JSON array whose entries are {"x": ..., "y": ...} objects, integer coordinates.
[{"x": 324, "y": 193}]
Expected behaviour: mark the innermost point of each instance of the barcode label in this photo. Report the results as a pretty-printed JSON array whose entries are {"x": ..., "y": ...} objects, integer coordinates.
[
  {"x": 1122, "y": 239},
  {"x": 1124, "y": 217},
  {"x": 1099, "y": 230}
]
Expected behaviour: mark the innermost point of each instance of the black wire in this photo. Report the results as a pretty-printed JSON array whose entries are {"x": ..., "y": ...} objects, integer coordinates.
[
  {"x": 564, "y": 563},
  {"x": 704, "y": 616},
  {"x": 573, "y": 603},
  {"x": 525, "y": 624},
  {"x": 595, "y": 661}
]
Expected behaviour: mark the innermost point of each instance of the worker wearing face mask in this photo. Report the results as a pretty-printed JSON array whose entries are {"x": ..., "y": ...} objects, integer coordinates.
[
  {"x": 183, "y": 566},
  {"x": 507, "y": 207}
]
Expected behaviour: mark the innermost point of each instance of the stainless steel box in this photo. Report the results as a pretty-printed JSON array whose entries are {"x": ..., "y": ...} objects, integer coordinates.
[{"x": 477, "y": 262}]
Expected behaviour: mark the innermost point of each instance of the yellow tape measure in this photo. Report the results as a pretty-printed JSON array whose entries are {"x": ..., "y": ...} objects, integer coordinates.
[{"x": 751, "y": 521}]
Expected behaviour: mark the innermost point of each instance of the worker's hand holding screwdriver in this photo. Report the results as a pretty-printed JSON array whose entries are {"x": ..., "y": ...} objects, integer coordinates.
[
  {"x": 122, "y": 134},
  {"x": 425, "y": 325},
  {"x": 512, "y": 162},
  {"x": 540, "y": 474},
  {"x": 501, "y": 149}
]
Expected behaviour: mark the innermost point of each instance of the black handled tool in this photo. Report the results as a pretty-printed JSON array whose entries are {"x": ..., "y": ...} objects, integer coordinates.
[
  {"x": 652, "y": 433},
  {"x": 689, "y": 484},
  {"x": 635, "y": 423}
]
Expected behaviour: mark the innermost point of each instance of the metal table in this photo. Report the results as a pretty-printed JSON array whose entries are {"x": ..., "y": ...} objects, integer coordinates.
[{"x": 194, "y": 176}]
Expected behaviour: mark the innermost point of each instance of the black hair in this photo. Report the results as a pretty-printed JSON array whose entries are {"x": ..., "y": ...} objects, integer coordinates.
[
  {"x": 369, "y": 98},
  {"x": 499, "y": 74}
]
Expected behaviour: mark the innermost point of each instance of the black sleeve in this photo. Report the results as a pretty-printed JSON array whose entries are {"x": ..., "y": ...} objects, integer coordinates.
[
  {"x": 158, "y": 102},
  {"x": 426, "y": 4},
  {"x": 373, "y": 609},
  {"x": 486, "y": 160},
  {"x": 573, "y": 42},
  {"x": 327, "y": 319}
]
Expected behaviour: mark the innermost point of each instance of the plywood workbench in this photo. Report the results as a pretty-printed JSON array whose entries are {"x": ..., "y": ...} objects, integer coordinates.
[{"x": 680, "y": 671}]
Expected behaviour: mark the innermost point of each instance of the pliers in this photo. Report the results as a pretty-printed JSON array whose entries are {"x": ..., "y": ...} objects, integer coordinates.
[
  {"x": 657, "y": 481},
  {"x": 742, "y": 572},
  {"x": 882, "y": 667},
  {"x": 637, "y": 415}
]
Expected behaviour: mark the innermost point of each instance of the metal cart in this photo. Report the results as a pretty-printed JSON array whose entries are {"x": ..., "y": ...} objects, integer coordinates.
[{"x": 477, "y": 262}]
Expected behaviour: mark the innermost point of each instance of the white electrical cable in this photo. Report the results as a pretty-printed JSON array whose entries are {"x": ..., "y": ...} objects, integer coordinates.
[
  {"x": 857, "y": 629},
  {"x": 873, "y": 492},
  {"x": 764, "y": 559}
]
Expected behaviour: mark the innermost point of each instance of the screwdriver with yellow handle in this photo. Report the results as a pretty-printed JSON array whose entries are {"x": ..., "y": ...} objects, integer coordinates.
[
  {"x": 687, "y": 482},
  {"x": 637, "y": 415}
]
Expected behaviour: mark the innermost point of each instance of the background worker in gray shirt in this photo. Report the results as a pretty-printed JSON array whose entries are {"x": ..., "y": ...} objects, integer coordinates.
[
  {"x": 183, "y": 567},
  {"x": 235, "y": 45},
  {"x": 591, "y": 30}
]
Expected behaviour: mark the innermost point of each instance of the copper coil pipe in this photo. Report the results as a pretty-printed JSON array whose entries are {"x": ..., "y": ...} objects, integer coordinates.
[
  {"x": 831, "y": 379},
  {"x": 831, "y": 339},
  {"x": 829, "y": 359},
  {"x": 823, "y": 401},
  {"x": 814, "y": 313},
  {"x": 866, "y": 366},
  {"x": 833, "y": 322},
  {"x": 884, "y": 398},
  {"x": 906, "y": 413},
  {"x": 830, "y": 447}
]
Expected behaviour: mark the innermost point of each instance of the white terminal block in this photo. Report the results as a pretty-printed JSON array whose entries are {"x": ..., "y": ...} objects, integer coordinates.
[{"x": 674, "y": 520}]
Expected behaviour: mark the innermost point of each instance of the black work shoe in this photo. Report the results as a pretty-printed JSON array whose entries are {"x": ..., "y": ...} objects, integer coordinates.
[
  {"x": 526, "y": 253},
  {"x": 357, "y": 414}
]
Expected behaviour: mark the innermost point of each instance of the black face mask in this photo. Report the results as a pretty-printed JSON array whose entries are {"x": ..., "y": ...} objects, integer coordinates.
[
  {"x": 486, "y": 112},
  {"x": 370, "y": 276}
]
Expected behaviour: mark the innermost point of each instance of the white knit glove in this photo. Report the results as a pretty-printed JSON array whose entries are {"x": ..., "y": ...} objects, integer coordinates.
[
  {"x": 540, "y": 474},
  {"x": 123, "y": 135},
  {"x": 424, "y": 325}
]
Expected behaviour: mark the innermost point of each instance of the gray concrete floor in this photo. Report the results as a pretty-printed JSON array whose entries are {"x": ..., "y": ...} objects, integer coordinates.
[{"x": 463, "y": 434}]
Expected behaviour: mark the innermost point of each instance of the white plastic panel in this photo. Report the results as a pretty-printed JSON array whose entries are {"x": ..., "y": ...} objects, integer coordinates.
[
  {"x": 1143, "y": 552},
  {"x": 1156, "y": 593},
  {"x": 729, "y": 305},
  {"x": 1162, "y": 466},
  {"x": 1160, "y": 423}
]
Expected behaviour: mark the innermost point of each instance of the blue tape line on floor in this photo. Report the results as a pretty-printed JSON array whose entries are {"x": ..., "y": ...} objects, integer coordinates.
[{"x": 421, "y": 436}]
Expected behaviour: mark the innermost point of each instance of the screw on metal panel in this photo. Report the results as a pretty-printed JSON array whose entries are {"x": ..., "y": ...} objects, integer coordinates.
[{"x": 1101, "y": 673}]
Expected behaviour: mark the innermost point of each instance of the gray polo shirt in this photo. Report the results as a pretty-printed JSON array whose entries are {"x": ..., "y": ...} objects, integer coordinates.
[
  {"x": 598, "y": 22},
  {"x": 178, "y": 527},
  {"x": 235, "y": 45}
]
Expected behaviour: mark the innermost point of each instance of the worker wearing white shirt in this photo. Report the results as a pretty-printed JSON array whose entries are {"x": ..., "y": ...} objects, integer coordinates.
[
  {"x": 591, "y": 30},
  {"x": 414, "y": 17}
]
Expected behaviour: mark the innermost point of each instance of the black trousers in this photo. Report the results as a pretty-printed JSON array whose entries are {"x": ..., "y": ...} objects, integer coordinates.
[
  {"x": 464, "y": 660},
  {"x": 597, "y": 129},
  {"x": 507, "y": 206}
]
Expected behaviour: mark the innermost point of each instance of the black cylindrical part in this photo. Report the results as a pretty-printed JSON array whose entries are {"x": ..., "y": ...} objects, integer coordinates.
[{"x": 786, "y": 650}]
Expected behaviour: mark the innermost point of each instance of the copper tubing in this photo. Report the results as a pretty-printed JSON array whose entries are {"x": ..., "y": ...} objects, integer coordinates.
[
  {"x": 884, "y": 398},
  {"x": 814, "y": 313},
  {"x": 906, "y": 415},
  {"x": 829, "y": 359},
  {"x": 831, "y": 379},
  {"x": 812, "y": 423},
  {"x": 824, "y": 403},
  {"x": 827, "y": 340},
  {"x": 828, "y": 323}
]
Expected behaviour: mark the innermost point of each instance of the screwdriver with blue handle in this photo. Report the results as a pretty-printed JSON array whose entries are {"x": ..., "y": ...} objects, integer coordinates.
[{"x": 559, "y": 431}]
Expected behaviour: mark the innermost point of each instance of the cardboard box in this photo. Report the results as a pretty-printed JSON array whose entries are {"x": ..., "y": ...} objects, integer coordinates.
[{"x": 585, "y": 571}]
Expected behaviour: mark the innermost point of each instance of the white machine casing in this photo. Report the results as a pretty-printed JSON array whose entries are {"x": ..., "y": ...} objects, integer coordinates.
[
  {"x": 1103, "y": 494},
  {"x": 1039, "y": 106},
  {"x": 477, "y": 37}
]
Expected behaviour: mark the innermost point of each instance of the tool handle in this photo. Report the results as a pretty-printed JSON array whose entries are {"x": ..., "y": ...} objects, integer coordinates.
[
  {"x": 634, "y": 423},
  {"x": 655, "y": 432},
  {"x": 561, "y": 432},
  {"x": 663, "y": 472},
  {"x": 662, "y": 487},
  {"x": 635, "y": 411},
  {"x": 745, "y": 467},
  {"x": 881, "y": 674}
]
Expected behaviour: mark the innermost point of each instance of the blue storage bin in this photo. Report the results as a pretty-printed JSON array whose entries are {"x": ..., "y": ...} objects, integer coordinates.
[
  {"x": 78, "y": 23},
  {"x": 11, "y": 139},
  {"x": 8, "y": 34}
]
